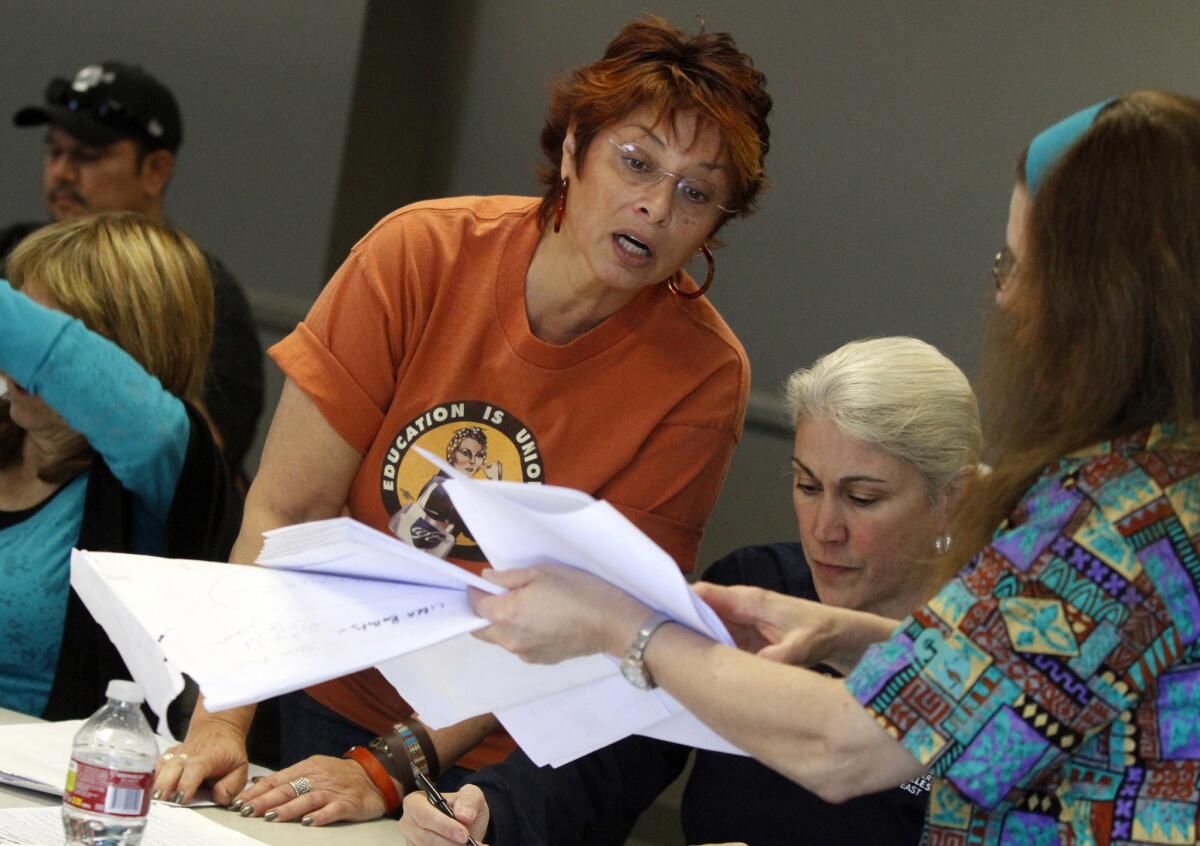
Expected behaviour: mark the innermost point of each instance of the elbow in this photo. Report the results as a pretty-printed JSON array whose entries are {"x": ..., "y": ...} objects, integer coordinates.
[
  {"x": 839, "y": 772},
  {"x": 835, "y": 791}
]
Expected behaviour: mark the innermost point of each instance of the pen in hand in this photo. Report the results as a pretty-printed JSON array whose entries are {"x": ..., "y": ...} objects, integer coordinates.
[{"x": 437, "y": 800}]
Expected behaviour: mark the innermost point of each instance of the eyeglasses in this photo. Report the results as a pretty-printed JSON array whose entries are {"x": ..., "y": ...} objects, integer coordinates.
[
  {"x": 694, "y": 196},
  {"x": 1002, "y": 267}
]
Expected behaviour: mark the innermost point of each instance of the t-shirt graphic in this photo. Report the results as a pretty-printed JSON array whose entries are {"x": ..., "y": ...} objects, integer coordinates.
[{"x": 480, "y": 439}]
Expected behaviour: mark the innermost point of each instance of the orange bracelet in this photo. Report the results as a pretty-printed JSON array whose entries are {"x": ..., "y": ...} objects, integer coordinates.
[{"x": 378, "y": 774}]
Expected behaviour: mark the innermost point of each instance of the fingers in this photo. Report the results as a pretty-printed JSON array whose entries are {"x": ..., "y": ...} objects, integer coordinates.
[
  {"x": 229, "y": 785},
  {"x": 179, "y": 776},
  {"x": 511, "y": 579},
  {"x": 470, "y": 808},
  {"x": 319, "y": 789},
  {"x": 424, "y": 825},
  {"x": 740, "y": 603}
]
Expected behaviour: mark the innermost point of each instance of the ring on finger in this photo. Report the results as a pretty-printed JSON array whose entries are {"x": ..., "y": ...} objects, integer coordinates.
[
  {"x": 301, "y": 785},
  {"x": 168, "y": 756}
]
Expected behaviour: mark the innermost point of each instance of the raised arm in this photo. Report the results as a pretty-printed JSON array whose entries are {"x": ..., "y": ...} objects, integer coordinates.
[{"x": 102, "y": 392}]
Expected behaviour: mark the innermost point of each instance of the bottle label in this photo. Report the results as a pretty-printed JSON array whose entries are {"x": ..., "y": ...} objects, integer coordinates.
[{"x": 105, "y": 791}]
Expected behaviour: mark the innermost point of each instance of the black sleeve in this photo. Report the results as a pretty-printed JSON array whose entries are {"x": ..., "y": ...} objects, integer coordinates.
[
  {"x": 206, "y": 511},
  {"x": 780, "y": 567},
  {"x": 592, "y": 801},
  {"x": 233, "y": 393}
]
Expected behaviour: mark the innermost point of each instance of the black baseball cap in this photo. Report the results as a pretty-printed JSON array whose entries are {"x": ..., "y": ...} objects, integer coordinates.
[{"x": 107, "y": 102}]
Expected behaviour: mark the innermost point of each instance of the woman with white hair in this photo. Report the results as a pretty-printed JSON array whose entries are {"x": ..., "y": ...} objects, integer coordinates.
[{"x": 887, "y": 432}]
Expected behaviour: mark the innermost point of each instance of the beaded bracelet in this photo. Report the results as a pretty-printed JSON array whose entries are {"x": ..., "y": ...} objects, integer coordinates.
[
  {"x": 378, "y": 775},
  {"x": 412, "y": 748},
  {"x": 420, "y": 755}
]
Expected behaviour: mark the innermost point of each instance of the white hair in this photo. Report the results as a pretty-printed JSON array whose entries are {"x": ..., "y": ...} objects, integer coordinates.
[{"x": 898, "y": 394}]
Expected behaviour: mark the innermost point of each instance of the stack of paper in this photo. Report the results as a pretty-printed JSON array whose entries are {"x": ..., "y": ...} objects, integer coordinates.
[
  {"x": 336, "y": 596},
  {"x": 34, "y": 756},
  {"x": 166, "y": 826},
  {"x": 248, "y": 633}
]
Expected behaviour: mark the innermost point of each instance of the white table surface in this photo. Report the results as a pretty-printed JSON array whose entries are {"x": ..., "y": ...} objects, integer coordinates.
[{"x": 374, "y": 833}]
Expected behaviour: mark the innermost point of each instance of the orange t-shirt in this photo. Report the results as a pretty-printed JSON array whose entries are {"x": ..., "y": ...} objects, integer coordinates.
[{"x": 421, "y": 337}]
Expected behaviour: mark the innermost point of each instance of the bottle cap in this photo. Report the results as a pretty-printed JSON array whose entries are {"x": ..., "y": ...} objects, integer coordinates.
[{"x": 125, "y": 691}]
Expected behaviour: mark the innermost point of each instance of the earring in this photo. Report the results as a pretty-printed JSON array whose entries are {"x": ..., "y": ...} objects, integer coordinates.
[
  {"x": 561, "y": 209},
  {"x": 942, "y": 544},
  {"x": 691, "y": 295}
]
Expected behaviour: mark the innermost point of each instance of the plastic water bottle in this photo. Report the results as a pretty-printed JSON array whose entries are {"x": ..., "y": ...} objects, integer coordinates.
[{"x": 111, "y": 773}]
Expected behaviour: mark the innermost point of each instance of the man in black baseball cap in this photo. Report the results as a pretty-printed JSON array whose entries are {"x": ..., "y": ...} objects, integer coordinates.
[{"x": 112, "y": 134}]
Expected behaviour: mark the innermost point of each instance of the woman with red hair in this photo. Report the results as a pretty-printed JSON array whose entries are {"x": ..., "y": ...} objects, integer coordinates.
[{"x": 566, "y": 329}]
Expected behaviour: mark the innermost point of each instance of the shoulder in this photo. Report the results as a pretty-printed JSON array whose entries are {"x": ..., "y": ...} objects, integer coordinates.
[
  {"x": 698, "y": 353},
  {"x": 1147, "y": 472},
  {"x": 778, "y": 566},
  {"x": 707, "y": 325},
  {"x": 448, "y": 217}
]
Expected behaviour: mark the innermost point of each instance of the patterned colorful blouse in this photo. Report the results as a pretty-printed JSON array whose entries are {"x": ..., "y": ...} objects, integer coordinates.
[{"x": 1053, "y": 687}]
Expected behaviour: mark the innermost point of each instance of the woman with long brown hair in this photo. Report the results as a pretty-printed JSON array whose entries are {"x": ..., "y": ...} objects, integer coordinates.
[{"x": 1052, "y": 687}]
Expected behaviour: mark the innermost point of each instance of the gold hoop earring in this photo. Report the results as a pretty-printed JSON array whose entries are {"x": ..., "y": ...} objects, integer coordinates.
[{"x": 708, "y": 280}]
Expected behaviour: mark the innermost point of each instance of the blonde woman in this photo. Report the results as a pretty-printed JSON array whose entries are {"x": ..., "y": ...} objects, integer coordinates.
[{"x": 104, "y": 337}]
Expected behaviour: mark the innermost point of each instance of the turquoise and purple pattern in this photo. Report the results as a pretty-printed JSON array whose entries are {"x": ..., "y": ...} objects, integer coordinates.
[{"x": 1053, "y": 688}]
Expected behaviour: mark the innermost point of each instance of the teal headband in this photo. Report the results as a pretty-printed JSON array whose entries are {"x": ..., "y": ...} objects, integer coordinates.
[{"x": 1051, "y": 143}]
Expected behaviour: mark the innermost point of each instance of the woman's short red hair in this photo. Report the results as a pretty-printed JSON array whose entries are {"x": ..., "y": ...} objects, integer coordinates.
[{"x": 651, "y": 63}]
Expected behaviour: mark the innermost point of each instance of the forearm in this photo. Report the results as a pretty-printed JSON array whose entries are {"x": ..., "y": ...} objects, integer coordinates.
[
  {"x": 236, "y": 720},
  {"x": 802, "y": 724},
  {"x": 140, "y": 429},
  {"x": 452, "y": 742}
]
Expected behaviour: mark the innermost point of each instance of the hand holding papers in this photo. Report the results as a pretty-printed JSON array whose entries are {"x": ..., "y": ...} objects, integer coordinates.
[{"x": 335, "y": 597}]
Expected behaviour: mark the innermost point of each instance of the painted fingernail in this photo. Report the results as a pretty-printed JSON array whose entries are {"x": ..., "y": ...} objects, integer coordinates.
[
  {"x": 178, "y": 798},
  {"x": 247, "y": 810},
  {"x": 270, "y": 816},
  {"x": 157, "y": 794},
  {"x": 306, "y": 821},
  {"x": 237, "y": 803}
]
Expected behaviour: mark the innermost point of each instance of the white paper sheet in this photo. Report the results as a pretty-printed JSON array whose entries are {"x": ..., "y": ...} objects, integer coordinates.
[
  {"x": 464, "y": 677},
  {"x": 248, "y": 633},
  {"x": 166, "y": 826},
  {"x": 560, "y": 728}
]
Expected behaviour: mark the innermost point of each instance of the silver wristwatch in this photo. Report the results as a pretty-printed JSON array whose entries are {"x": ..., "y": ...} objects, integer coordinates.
[{"x": 633, "y": 663}]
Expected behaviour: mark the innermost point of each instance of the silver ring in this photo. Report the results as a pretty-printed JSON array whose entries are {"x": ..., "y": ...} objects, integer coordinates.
[
  {"x": 300, "y": 785},
  {"x": 167, "y": 756}
]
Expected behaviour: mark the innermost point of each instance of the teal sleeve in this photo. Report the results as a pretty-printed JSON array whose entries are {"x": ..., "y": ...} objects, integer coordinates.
[{"x": 139, "y": 428}]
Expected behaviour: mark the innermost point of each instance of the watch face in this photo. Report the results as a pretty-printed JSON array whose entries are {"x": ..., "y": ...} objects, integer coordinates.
[{"x": 636, "y": 676}]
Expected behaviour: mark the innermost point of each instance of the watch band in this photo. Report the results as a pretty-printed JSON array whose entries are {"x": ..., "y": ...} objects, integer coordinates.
[{"x": 633, "y": 664}]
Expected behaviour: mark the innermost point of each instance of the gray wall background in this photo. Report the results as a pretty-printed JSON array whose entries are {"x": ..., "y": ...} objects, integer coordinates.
[
  {"x": 896, "y": 125},
  {"x": 895, "y": 129}
]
